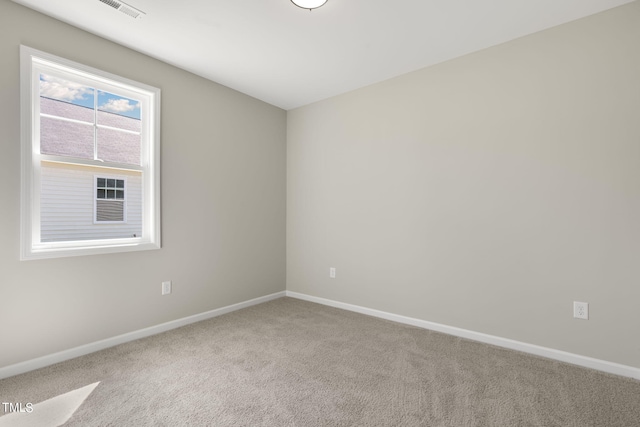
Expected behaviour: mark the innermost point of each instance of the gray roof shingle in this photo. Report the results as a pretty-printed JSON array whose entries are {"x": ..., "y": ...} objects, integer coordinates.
[{"x": 71, "y": 139}]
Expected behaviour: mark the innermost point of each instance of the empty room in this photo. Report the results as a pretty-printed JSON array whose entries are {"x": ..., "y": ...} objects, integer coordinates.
[{"x": 320, "y": 213}]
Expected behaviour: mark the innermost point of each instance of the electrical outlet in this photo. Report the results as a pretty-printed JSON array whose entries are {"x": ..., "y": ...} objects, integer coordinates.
[
  {"x": 581, "y": 310},
  {"x": 332, "y": 272},
  {"x": 166, "y": 287}
]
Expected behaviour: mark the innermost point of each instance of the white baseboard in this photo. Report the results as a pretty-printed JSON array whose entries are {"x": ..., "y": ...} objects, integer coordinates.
[
  {"x": 563, "y": 356},
  {"x": 576, "y": 359},
  {"x": 41, "y": 362}
]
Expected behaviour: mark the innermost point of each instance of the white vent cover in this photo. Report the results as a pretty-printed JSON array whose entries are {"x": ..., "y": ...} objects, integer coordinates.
[{"x": 124, "y": 8}]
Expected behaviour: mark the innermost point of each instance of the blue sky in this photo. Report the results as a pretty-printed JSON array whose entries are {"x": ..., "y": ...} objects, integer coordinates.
[
  {"x": 118, "y": 104},
  {"x": 75, "y": 93}
]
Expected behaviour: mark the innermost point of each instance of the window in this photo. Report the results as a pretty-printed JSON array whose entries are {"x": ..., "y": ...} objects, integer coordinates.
[
  {"x": 90, "y": 160},
  {"x": 110, "y": 201}
]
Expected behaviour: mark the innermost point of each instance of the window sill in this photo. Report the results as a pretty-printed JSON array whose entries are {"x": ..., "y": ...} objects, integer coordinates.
[{"x": 69, "y": 249}]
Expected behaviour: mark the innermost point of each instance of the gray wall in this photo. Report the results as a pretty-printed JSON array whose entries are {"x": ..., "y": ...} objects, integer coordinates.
[
  {"x": 223, "y": 206},
  {"x": 488, "y": 192}
]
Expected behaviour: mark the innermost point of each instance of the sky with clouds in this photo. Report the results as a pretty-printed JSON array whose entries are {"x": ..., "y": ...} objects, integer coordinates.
[{"x": 75, "y": 93}]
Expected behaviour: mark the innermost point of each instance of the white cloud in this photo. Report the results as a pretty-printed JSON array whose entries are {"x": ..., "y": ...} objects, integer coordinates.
[
  {"x": 119, "y": 105},
  {"x": 64, "y": 90}
]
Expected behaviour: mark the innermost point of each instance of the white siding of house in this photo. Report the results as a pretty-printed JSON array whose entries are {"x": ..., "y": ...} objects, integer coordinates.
[{"x": 68, "y": 204}]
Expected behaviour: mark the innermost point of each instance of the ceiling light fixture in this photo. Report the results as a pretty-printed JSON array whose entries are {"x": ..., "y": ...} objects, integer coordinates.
[{"x": 309, "y": 4}]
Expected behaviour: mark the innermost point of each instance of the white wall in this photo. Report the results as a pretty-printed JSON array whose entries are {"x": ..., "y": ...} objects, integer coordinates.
[
  {"x": 487, "y": 193},
  {"x": 223, "y": 206}
]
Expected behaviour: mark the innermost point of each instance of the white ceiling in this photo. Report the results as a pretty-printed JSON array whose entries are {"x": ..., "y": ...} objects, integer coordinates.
[{"x": 289, "y": 57}]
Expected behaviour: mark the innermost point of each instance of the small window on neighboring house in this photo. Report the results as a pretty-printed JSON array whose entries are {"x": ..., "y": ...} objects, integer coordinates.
[
  {"x": 90, "y": 160},
  {"x": 110, "y": 201}
]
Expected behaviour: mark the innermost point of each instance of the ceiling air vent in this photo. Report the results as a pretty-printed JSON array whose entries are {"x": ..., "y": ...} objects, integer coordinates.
[{"x": 124, "y": 8}]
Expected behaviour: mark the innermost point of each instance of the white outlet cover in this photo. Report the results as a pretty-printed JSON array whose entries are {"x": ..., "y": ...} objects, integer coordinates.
[
  {"x": 166, "y": 288},
  {"x": 332, "y": 272},
  {"x": 581, "y": 310}
]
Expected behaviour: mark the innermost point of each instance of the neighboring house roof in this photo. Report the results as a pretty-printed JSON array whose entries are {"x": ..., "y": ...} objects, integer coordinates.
[{"x": 67, "y": 138}]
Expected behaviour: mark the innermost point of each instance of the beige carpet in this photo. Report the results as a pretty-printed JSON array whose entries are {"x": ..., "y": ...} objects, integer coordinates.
[{"x": 294, "y": 363}]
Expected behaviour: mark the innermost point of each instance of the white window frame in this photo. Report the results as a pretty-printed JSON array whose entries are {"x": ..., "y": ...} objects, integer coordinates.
[
  {"x": 32, "y": 64},
  {"x": 95, "y": 199}
]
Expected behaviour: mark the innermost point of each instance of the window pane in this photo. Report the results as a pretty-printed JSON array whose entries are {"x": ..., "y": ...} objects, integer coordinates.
[
  {"x": 106, "y": 118},
  {"x": 71, "y": 211},
  {"x": 118, "y": 111},
  {"x": 67, "y": 110},
  {"x": 120, "y": 183},
  {"x": 111, "y": 194},
  {"x": 102, "y": 182},
  {"x": 119, "y": 147},
  {"x": 62, "y": 138},
  {"x": 66, "y": 91},
  {"x": 111, "y": 183}
]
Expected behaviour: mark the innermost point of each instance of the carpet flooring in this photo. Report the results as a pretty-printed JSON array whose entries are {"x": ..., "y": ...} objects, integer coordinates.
[{"x": 294, "y": 363}]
